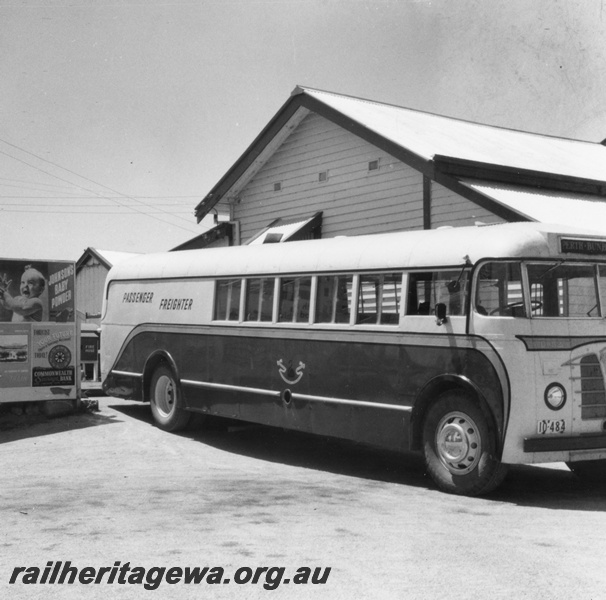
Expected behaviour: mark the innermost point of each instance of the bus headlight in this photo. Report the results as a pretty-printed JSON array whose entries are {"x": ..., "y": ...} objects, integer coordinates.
[{"x": 555, "y": 396}]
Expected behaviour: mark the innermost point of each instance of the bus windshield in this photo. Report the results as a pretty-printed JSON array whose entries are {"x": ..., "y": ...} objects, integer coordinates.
[
  {"x": 562, "y": 289},
  {"x": 555, "y": 289}
]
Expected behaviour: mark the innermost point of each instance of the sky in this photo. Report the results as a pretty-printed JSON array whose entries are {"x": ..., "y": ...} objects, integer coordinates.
[{"x": 118, "y": 116}]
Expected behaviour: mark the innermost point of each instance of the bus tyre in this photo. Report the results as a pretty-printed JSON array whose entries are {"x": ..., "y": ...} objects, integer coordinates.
[
  {"x": 460, "y": 447},
  {"x": 592, "y": 472},
  {"x": 165, "y": 400}
]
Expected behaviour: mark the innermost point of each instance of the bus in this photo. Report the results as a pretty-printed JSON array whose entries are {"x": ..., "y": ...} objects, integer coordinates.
[{"x": 479, "y": 347}]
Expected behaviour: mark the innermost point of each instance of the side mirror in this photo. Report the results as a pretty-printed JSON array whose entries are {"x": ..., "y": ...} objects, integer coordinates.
[{"x": 440, "y": 312}]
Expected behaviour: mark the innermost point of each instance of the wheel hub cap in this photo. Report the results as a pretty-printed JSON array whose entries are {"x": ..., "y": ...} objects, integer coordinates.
[
  {"x": 458, "y": 443},
  {"x": 165, "y": 396}
]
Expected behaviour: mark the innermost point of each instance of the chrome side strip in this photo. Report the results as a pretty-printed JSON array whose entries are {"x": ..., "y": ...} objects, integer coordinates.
[
  {"x": 351, "y": 402},
  {"x": 126, "y": 373},
  {"x": 294, "y": 396},
  {"x": 232, "y": 388}
]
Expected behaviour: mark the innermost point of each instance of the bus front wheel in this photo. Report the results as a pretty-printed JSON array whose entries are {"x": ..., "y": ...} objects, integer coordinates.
[
  {"x": 460, "y": 447},
  {"x": 165, "y": 400}
]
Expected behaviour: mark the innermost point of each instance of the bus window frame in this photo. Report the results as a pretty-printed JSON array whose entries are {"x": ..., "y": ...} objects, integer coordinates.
[
  {"x": 569, "y": 262},
  {"x": 526, "y": 287},
  {"x": 402, "y": 279},
  {"x": 475, "y": 279},
  {"x": 458, "y": 270},
  {"x": 403, "y": 275},
  {"x": 352, "y": 302},
  {"x": 296, "y": 277},
  {"x": 271, "y": 285},
  {"x": 217, "y": 283}
]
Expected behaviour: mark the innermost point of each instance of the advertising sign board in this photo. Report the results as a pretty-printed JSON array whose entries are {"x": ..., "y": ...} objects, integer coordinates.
[{"x": 38, "y": 331}]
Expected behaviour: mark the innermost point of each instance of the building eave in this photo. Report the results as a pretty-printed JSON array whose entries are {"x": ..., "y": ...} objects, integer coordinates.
[
  {"x": 461, "y": 168},
  {"x": 218, "y": 232}
]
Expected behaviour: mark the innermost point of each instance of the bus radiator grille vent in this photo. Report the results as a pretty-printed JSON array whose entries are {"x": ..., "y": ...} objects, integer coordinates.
[{"x": 593, "y": 393}]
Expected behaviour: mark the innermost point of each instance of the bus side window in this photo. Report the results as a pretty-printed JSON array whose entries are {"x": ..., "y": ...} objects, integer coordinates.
[
  {"x": 259, "y": 299},
  {"x": 379, "y": 299},
  {"x": 333, "y": 300},
  {"x": 427, "y": 289},
  {"x": 499, "y": 290},
  {"x": 418, "y": 286},
  {"x": 227, "y": 300},
  {"x": 294, "y": 300}
]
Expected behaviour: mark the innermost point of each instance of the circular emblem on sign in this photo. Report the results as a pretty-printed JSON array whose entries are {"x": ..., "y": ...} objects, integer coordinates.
[{"x": 59, "y": 357}]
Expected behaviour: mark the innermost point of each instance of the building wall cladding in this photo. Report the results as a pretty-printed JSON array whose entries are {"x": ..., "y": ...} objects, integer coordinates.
[
  {"x": 90, "y": 283},
  {"x": 448, "y": 208},
  {"x": 354, "y": 199}
]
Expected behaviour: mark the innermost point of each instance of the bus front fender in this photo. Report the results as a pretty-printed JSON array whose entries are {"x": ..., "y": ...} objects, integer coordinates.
[{"x": 432, "y": 390}]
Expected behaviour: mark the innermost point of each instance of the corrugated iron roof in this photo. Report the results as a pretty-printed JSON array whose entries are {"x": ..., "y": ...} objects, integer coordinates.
[
  {"x": 113, "y": 257},
  {"x": 546, "y": 206},
  {"x": 434, "y": 144},
  {"x": 427, "y": 135},
  {"x": 284, "y": 230}
]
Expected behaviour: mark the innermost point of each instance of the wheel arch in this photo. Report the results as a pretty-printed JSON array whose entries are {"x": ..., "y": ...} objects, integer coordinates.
[
  {"x": 433, "y": 390},
  {"x": 151, "y": 364}
]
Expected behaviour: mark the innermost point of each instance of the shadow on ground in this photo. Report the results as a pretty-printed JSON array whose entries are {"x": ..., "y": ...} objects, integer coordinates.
[
  {"x": 525, "y": 485},
  {"x": 298, "y": 449},
  {"x": 19, "y": 427}
]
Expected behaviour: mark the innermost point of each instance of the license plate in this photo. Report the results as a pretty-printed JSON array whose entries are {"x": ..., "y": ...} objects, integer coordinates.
[{"x": 547, "y": 426}]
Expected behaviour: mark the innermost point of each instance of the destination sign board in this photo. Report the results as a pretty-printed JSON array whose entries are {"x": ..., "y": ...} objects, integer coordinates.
[{"x": 582, "y": 246}]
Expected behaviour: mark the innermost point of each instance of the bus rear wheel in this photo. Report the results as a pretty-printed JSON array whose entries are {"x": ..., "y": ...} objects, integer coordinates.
[
  {"x": 460, "y": 447},
  {"x": 165, "y": 400},
  {"x": 592, "y": 472}
]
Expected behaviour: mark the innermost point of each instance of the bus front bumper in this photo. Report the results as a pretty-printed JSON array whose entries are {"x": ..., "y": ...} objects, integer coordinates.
[{"x": 557, "y": 444}]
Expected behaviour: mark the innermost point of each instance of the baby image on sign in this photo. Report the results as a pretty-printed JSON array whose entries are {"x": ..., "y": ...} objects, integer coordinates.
[
  {"x": 36, "y": 292},
  {"x": 26, "y": 300}
]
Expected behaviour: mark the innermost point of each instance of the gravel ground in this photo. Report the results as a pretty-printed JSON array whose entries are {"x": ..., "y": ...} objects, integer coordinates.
[{"x": 99, "y": 487}]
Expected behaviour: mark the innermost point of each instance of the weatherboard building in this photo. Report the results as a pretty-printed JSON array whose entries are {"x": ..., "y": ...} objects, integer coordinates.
[{"x": 328, "y": 165}]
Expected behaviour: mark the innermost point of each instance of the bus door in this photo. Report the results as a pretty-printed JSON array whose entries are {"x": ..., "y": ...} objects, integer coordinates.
[
  {"x": 499, "y": 324},
  {"x": 435, "y": 344},
  {"x": 567, "y": 323},
  {"x": 499, "y": 313}
]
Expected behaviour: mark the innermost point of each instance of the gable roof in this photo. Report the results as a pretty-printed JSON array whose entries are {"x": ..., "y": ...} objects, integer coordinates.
[
  {"x": 442, "y": 148},
  {"x": 545, "y": 206},
  {"x": 108, "y": 258},
  {"x": 429, "y": 135}
]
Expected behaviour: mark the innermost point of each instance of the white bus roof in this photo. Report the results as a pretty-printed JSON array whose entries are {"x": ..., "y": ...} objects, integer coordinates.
[{"x": 410, "y": 249}]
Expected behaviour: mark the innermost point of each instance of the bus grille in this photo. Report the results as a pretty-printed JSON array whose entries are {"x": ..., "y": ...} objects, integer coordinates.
[{"x": 593, "y": 394}]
